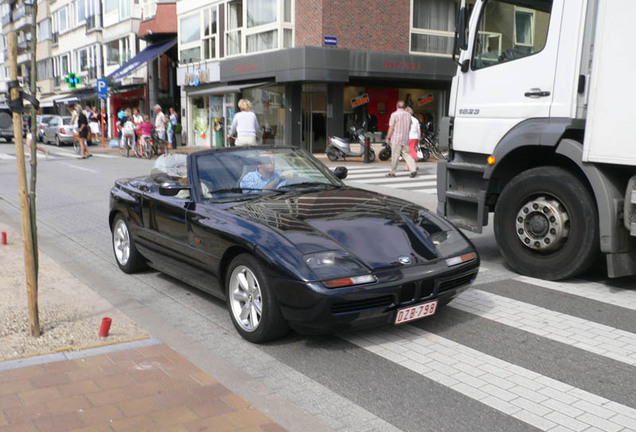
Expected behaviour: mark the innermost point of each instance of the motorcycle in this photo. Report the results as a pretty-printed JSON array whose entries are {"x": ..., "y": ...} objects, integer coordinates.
[{"x": 341, "y": 147}]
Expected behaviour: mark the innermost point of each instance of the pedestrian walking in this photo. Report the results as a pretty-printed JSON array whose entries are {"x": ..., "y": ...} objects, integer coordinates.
[
  {"x": 414, "y": 135},
  {"x": 82, "y": 130},
  {"x": 244, "y": 124},
  {"x": 398, "y": 137},
  {"x": 137, "y": 119},
  {"x": 172, "y": 127},
  {"x": 160, "y": 122},
  {"x": 29, "y": 141},
  {"x": 128, "y": 130}
]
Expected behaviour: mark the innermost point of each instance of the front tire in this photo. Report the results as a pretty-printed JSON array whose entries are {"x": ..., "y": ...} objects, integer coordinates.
[
  {"x": 251, "y": 301},
  {"x": 332, "y": 154},
  {"x": 128, "y": 258},
  {"x": 546, "y": 224}
]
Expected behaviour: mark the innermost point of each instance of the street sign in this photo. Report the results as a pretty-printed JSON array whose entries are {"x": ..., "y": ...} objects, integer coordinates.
[
  {"x": 331, "y": 41},
  {"x": 102, "y": 89}
]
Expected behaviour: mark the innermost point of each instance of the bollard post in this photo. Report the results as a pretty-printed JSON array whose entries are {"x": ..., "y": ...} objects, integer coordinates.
[
  {"x": 4, "y": 238},
  {"x": 103, "y": 330},
  {"x": 367, "y": 150}
]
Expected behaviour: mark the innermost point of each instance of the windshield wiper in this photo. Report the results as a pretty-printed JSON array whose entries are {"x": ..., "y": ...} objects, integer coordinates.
[
  {"x": 308, "y": 184},
  {"x": 239, "y": 190}
]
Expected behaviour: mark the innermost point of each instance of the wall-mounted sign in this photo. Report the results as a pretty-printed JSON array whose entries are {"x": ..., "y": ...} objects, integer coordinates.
[
  {"x": 196, "y": 77},
  {"x": 72, "y": 80},
  {"x": 330, "y": 41},
  {"x": 402, "y": 66},
  {"x": 102, "y": 89},
  {"x": 423, "y": 100},
  {"x": 245, "y": 67},
  {"x": 360, "y": 100}
]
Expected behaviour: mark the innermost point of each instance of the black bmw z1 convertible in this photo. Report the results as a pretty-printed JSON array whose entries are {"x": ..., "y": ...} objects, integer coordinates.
[{"x": 278, "y": 235}]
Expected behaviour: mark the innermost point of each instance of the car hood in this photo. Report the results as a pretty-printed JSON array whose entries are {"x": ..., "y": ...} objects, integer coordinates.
[{"x": 379, "y": 230}]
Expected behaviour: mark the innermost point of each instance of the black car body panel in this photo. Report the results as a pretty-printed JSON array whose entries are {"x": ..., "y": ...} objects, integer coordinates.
[{"x": 402, "y": 245}]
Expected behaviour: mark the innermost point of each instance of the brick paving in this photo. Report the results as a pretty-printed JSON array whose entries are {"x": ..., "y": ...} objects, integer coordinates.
[{"x": 149, "y": 388}]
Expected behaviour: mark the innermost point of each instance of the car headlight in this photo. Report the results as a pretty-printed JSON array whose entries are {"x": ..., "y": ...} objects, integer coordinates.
[{"x": 338, "y": 269}]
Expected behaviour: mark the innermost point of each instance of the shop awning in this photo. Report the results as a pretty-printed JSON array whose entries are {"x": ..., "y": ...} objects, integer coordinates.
[
  {"x": 48, "y": 102},
  {"x": 222, "y": 89},
  {"x": 149, "y": 53}
]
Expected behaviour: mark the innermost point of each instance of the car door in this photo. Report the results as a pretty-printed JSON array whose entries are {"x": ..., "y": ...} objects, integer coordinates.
[
  {"x": 49, "y": 132},
  {"x": 509, "y": 39}
]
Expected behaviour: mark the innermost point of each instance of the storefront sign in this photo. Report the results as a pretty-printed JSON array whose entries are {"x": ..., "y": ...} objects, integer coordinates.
[
  {"x": 216, "y": 106},
  {"x": 423, "y": 100},
  {"x": 360, "y": 100},
  {"x": 245, "y": 67},
  {"x": 194, "y": 78},
  {"x": 403, "y": 66}
]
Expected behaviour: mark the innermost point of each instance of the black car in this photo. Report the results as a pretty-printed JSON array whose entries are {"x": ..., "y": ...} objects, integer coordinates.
[{"x": 286, "y": 243}]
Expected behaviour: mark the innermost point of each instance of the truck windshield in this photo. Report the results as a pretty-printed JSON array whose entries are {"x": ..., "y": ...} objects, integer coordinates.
[{"x": 510, "y": 30}]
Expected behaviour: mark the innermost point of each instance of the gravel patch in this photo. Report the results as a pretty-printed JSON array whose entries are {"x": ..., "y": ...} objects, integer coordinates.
[{"x": 70, "y": 313}]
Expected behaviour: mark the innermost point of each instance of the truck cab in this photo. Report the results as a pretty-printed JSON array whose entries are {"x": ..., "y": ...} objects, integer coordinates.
[{"x": 540, "y": 133}]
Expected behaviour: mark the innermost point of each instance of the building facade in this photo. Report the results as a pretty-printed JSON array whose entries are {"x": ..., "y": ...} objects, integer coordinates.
[{"x": 312, "y": 68}]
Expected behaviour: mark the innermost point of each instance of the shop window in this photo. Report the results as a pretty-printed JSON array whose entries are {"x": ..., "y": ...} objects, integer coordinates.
[{"x": 268, "y": 103}]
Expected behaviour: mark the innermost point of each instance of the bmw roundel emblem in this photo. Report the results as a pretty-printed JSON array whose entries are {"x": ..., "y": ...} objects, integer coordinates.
[{"x": 405, "y": 260}]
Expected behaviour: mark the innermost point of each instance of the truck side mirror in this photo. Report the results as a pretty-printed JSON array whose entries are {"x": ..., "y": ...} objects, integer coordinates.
[{"x": 460, "y": 41}]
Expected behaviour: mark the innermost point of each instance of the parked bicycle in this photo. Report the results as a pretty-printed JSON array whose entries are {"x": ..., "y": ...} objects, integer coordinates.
[
  {"x": 126, "y": 143},
  {"x": 158, "y": 144}
]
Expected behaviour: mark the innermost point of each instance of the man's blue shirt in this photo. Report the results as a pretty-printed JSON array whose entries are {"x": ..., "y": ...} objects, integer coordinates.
[{"x": 254, "y": 180}]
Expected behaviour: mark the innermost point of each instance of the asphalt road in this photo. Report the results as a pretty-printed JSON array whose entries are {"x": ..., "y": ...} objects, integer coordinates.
[{"x": 511, "y": 354}]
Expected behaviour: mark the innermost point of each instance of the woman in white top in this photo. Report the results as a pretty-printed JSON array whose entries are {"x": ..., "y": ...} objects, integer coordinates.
[
  {"x": 415, "y": 134},
  {"x": 244, "y": 124}
]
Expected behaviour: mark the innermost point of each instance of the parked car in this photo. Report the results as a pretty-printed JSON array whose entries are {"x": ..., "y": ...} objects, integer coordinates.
[
  {"x": 7, "y": 132},
  {"x": 303, "y": 250},
  {"x": 6, "y": 125},
  {"x": 58, "y": 131},
  {"x": 43, "y": 121}
]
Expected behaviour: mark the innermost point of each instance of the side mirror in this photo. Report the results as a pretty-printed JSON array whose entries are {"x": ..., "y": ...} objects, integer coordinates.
[
  {"x": 341, "y": 172},
  {"x": 172, "y": 188},
  {"x": 460, "y": 41}
]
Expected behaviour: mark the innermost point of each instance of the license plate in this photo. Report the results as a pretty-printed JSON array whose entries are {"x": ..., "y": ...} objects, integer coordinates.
[{"x": 416, "y": 312}]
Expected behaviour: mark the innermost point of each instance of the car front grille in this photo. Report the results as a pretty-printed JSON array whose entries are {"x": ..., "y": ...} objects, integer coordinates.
[
  {"x": 448, "y": 284},
  {"x": 360, "y": 305}
]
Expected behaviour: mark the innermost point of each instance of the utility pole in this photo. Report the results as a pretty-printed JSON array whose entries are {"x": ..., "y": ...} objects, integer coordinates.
[{"x": 27, "y": 218}]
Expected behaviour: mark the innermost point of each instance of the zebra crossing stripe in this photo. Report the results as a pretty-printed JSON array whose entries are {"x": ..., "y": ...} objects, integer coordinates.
[
  {"x": 383, "y": 179},
  {"x": 589, "y": 336},
  {"x": 540, "y": 401},
  {"x": 589, "y": 290}
]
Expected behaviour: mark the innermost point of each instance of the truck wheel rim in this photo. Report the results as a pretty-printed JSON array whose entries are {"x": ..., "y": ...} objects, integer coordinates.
[
  {"x": 121, "y": 242},
  {"x": 245, "y": 299},
  {"x": 542, "y": 224}
]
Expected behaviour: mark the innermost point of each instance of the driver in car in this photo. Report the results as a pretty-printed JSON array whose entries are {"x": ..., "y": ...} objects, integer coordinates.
[{"x": 265, "y": 176}]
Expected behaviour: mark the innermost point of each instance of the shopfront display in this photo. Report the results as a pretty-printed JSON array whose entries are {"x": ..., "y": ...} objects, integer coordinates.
[{"x": 268, "y": 103}]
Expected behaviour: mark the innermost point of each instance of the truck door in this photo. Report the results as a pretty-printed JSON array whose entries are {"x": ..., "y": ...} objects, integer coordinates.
[{"x": 513, "y": 55}]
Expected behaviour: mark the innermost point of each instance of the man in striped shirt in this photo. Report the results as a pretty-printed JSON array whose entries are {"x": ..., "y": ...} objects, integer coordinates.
[{"x": 398, "y": 138}]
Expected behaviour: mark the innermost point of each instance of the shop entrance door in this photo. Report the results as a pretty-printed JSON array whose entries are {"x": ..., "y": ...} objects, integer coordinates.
[{"x": 314, "y": 121}]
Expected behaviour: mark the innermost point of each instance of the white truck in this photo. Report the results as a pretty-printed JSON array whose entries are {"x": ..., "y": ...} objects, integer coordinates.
[{"x": 542, "y": 132}]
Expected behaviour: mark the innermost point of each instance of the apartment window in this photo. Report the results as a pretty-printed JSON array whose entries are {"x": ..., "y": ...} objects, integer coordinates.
[
  {"x": 125, "y": 8},
  {"x": 118, "y": 52},
  {"x": 81, "y": 10},
  {"x": 209, "y": 33},
  {"x": 260, "y": 12},
  {"x": 60, "y": 20},
  {"x": 44, "y": 29},
  {"x": 45, "y": 69},
  {"x": 262, "y": 41},
  {"x": 287, "y": 11},
  {"x": 234, "y": 25},
  {"x": 190, "y": 29},
  {"x": 433, "y": 26}
]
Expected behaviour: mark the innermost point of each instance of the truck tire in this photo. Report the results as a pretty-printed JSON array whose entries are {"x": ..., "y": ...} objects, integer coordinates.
[{"x": 546, "y": 224}]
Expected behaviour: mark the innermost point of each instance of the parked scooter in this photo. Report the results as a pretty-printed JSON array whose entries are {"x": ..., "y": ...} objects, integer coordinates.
[{"x": 341, "y": 147}]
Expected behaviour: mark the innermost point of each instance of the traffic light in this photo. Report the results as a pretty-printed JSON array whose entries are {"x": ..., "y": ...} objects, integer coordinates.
[{"x": 72, "y": 80}]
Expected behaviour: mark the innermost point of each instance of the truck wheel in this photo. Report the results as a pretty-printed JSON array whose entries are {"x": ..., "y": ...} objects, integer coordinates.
[{"x": 546, "y": 224}]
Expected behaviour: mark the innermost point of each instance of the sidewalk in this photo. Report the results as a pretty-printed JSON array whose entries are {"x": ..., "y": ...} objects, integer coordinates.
[
  {"x": 137, "y": 386},
  {"x": 116, "y": 385}
]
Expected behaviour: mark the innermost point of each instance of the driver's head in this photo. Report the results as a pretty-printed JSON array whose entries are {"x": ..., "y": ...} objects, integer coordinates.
[{"x": 265, "y": 165}]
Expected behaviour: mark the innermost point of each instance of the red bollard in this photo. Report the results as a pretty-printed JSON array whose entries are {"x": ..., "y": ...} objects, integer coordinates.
[
  {"x": 4, "y": 238},
  {"x": 103, "y": 330}
]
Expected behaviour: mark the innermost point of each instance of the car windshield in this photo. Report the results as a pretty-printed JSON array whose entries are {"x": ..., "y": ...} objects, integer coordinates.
[
  {"x": 254, "y": 172},
  {"x": 66, "y": 120}
]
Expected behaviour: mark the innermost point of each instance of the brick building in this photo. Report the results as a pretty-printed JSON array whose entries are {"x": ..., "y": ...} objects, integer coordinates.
[{"x": 305, "y": 65}]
